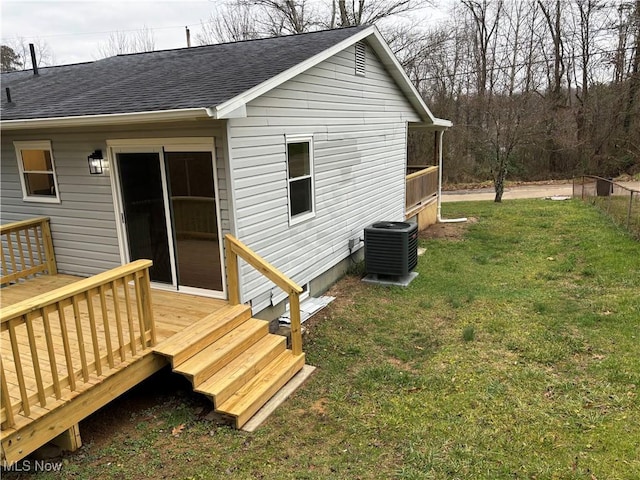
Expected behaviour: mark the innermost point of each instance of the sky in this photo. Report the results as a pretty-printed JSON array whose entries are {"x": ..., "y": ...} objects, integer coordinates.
[{"x": 75, "y": 29}]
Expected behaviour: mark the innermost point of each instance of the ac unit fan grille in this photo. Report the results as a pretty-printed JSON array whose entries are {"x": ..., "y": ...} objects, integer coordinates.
[{"x": 391, "y": 248}]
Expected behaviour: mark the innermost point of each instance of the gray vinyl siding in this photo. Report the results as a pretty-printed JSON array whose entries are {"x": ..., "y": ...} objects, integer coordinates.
[
  {"x": 84, "y": 223},
  {"x": 359, "y": 128}
]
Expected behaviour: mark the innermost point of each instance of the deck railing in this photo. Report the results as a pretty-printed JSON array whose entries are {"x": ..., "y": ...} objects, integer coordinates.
[
  {"x": 27, "y": 250},
  {"x": 61, "y": 341},
  {"x": 234, "y": 248},
  {"x": 421, "y": 186}
]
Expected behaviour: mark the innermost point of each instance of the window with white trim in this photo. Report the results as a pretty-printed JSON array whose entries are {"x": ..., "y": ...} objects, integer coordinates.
[
  {"x": 37, "y": 171},
  {"x": 300, "y": 178}
]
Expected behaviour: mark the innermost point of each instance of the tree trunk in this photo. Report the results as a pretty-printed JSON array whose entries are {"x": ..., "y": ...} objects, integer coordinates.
[
  {"x": 498, "y": 181},
  {"x": 634, "y": 81}
]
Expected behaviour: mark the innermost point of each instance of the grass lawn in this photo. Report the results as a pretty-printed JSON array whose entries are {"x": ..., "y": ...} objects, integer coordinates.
[
  {"x": 514, "y": 354},
  {"x": 622, "y": 210}
]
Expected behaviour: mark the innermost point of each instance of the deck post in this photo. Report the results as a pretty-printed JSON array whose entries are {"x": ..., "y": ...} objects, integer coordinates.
[
  {"x": 231, "y": 260},
  {"x": 147, "y": 310},
  {"x": 7, "y": 411},
  {"x": 296, "y": 334},
  {"x": 47, "y": 240},
  {"x": 235, "y": 248},
  {"x": 69, "y": 440}
]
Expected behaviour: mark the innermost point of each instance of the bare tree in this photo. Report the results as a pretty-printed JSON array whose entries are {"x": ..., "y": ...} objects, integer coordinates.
[
  {"x": 486, "y": 16},
  {"x": 634, "y": 80},
  {"x": 144, "y": 40},
  {"x": 553, "y": 16},
  {"x": 284, "y": 17},
  {"x": 120, "y": 43},
  {"x": 625, "y": 34},
  {"x": 526, "y": 82},
  {"x": 349, "y": 14},
  {"x": 231, "y": 22},
  {"x": 44, "y": 54}
]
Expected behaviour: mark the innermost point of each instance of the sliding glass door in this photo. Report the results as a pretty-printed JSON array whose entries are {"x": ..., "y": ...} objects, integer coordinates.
[
  {"x": 145, "y": 217},
  {"x": 193, "y": 204},
  {"x": 170, "y": 216}
]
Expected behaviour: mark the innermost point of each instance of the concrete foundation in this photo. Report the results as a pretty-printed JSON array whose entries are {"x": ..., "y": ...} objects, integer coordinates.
[
  {"x": 317, "y": 286},
  {"x": 390, "y": 280}
]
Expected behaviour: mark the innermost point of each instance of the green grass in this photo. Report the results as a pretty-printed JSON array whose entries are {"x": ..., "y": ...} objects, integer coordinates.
[
  {"x": 624, "y": 210},
  {"x": 514, "y": 354}
]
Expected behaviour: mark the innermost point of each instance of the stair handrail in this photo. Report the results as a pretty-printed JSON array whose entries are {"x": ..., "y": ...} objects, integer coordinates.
[{"x": 234, "y": 248}]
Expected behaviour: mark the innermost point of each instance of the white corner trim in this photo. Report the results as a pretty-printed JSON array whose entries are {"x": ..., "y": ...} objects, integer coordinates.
[{"x": 239, "y": 112}]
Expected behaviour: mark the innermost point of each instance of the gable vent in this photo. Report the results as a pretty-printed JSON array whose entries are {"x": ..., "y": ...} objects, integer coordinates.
[{"x": 360, "y": 59}]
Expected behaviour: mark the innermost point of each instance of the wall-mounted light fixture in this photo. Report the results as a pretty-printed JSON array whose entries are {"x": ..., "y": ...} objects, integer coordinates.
[{"x": 96, "y": 163}]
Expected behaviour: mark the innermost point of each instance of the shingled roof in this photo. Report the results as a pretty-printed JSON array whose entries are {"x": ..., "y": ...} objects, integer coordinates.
[{"x": 196, "y": 77}]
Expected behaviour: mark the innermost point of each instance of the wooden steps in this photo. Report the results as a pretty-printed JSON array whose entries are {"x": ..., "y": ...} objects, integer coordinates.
[
  {"x": 247, "y": 401},
  {"x": 232, "y": 359},
  {"x": 241, "y": 369},
  {"x": 212, "y": 358},
  {"x": 186, "y": 343}
]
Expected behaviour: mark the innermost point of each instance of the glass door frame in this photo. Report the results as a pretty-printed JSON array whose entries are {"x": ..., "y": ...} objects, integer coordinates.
[{"x": 159, "y": 146}]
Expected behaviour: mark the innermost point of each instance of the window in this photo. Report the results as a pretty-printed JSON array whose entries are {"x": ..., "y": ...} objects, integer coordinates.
[
  {"x": 361, "y": 64},
  {"x": 37, "y": 171},
  {"x": 300, "y": 178}
]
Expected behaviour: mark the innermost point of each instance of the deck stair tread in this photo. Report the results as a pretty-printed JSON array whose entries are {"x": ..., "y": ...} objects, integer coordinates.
[
  {"x": 232, "y": 358},
  {"x": 226, "y": 381},
  {"x": 191, "y": 340},
  {"x": 244, "y": 403},
  {"x": 212, "y": 358}
]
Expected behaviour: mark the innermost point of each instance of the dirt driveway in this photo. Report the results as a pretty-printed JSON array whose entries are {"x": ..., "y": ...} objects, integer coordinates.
[{"x": 518, "y": 191}]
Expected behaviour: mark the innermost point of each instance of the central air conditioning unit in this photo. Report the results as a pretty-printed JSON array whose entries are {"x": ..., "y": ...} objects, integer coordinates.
[{"x": 391, "y": 248}]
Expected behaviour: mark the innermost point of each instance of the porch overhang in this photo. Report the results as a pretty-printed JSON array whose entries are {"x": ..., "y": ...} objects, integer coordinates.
[{"x": 438, "y": 124}]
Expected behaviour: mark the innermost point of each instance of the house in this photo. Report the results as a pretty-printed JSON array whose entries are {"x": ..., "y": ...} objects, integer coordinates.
[{"x": 293, "y": 145}]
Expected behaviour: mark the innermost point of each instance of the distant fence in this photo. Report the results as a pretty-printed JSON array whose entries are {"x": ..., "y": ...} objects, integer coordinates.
[{"x": 622, "y": 204}]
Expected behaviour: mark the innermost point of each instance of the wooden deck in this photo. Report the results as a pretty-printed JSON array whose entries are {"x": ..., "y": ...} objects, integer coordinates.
[
  {"x": 70, "y": 345},
  {"x": 173, "y": 312}
]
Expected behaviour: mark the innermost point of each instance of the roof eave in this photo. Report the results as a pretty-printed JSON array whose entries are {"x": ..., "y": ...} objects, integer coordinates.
[
  {"x": 230, "y": 108},
  {"x": 441, "y": 122},
  {"x": 108, "y": 119},
  {"x": 388, "y": 58},
  {"x": 437, "y": 124}
]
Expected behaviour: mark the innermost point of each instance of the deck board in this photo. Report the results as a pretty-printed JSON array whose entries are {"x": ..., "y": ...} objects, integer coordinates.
[{"x": 172, "y": 313}]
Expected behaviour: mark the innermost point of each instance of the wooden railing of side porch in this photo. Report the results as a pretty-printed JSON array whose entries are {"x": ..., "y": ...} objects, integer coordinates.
[
  {"x": 59, "y": 343},
  {"x": 421, "y": 186},
  {"x": 26, "y": 250},
  {"x": 234, "y": 248}
]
